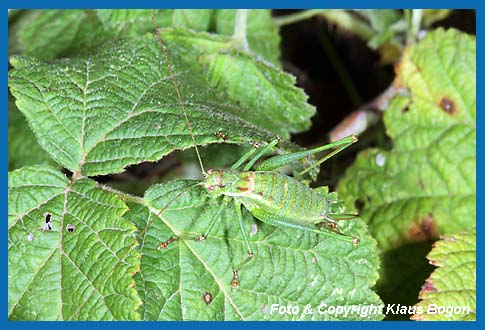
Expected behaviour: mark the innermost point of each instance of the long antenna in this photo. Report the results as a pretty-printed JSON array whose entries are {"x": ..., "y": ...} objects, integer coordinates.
[{"x": 165, "y": 55}]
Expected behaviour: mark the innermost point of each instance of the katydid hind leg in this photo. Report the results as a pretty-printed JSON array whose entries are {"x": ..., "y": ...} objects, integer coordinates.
[
  {"x": 341, "y": 216},
  {"x": 351, "y": 140},
  {"x": 244, "y": 158},
  {"x": 279, "y": 161},
  {"x": 253, "y": 155},
  {"x": 263, "y": 216},
  {"x": 332, "y": 218}
]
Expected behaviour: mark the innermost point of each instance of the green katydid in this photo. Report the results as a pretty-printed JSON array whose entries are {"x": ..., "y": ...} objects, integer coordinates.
[{"x": 271, "y": 197}]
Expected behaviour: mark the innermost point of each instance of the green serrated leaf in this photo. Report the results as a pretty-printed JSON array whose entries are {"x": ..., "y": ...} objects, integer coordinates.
[
  {"x": 23, "y": 148},
  {"x": 47, "y": 34},
  {"x": 118, "y": 107},
  {"x": 58, "y": 33},
  {"x": 262, "y": 31},
  {"x": 428, "y": 178},
  {"x": 282, "y": 107},
  {"x": 450, "y": 292},
  {"x": 137, "y": 22},
  {"x": 425, "y": 185},
  {"x": 193, "y": 19},
  {"x": 191, "y": 280},
  {"x": 56, "y": 274}
]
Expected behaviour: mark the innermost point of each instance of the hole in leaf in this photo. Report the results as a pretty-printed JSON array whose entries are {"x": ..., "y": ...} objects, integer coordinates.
[
  {"x": 359, "y": 204},
  {"x": 48, "y": 222},
  {"x": 70, "y": 228}
]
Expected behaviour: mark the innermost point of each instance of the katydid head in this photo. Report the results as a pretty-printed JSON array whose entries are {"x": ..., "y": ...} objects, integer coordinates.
[
  {"x": 220, "y": 183},
  {"x": 228, "y": 183},
  {"x": 213, "y": 182}
]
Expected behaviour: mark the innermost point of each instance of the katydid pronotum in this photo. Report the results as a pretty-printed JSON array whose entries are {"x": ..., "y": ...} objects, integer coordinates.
[{"x": 269, "y": 196}]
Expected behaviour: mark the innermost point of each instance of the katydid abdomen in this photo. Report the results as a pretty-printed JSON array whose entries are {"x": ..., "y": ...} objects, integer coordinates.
[{"x": 284, "y": 198}]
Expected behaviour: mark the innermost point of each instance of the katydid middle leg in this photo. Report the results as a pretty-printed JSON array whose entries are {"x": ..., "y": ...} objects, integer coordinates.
[{"x": 235, "y": 271}]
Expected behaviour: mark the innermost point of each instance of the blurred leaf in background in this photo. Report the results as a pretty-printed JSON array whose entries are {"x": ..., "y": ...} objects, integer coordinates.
[{"x": 425, "y": 185}]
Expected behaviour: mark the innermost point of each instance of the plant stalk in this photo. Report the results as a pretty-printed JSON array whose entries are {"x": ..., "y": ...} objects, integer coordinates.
[{"x": 240, "y": 27}]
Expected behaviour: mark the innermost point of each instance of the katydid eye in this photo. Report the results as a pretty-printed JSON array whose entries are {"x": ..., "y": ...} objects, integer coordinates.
[{"x": 211, "y": 188}]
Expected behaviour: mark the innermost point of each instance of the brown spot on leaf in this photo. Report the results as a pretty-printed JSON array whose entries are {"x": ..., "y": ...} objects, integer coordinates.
[
  {"x": 447, "y": 105},
  {"x": 207, "y": 297},
  {"x": 242, "y": 188},
  {"x": 221, "y": 135},
  {"x": 423, "y": 229}
]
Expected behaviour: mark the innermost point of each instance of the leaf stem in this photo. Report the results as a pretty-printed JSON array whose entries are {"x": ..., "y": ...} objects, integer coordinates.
[
  {"x": 240, "y": 26},
  {"x": 298, "y": 16},
  {"x": 124, "y": 196},
  {"x": 416, "y": 16}
]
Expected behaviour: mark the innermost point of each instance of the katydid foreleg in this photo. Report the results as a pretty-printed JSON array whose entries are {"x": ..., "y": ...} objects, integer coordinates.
[{"x": 203, "y": 236}]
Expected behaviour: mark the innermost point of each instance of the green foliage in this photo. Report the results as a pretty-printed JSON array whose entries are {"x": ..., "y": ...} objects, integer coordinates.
[
  {"x": 387, "y": 31},
  {"x": 23, "y": 148},
  {"x": 132, "y": 80},
  {"x": 290, "y": 267},
  {"x": 262, "y": 32},
  {"x": 282, "y": 107},
  {"x": 453, "y": 283},
  {"x": 93, "y": 93},
  {"x": 47, "y": 34},
  {"x": 144, "y": 121},
  {"x": 425, "y": 185},
  {"x": 111, "y": 103},
  {"x": 386, "y": 24},
  {"x": 61, "y": 275}
]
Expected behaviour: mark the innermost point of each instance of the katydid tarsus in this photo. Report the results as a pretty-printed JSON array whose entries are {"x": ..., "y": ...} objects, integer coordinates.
[{"x": 269, "y": 196}]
